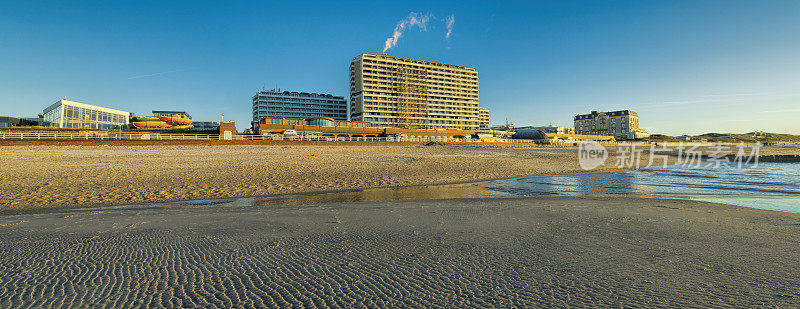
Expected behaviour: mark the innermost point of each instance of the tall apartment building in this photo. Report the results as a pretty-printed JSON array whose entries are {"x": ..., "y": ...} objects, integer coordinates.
[
  {"x": 622, "y": 124},
  {"x": 390, "y": 91},
  {"x": 286, "y": 104},
  {"x": 483, "y": 118}
]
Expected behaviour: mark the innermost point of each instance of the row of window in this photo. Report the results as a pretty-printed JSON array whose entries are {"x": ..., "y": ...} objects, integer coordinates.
[
  {"x": 371, "y": 109},
  {"x": 394, "y": 120},
  {"x": 431, "y": 103},
  {"x": 444, "y": 95},
  {"x": 420, "y": 98},
  {"x": 294, "y": 122},
  {"x": 430, "y": 67},
  {"x": 280, "y": 100},
  {"x": 370, "y": 80},
  {"x": 427, "y": 76},
  {"x": 375, "y": 80}
]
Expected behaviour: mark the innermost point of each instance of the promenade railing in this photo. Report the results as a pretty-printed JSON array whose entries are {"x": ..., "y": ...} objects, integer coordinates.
[
  {"x": 182, "y": 136},
  {"x": 43, "y": 136}
]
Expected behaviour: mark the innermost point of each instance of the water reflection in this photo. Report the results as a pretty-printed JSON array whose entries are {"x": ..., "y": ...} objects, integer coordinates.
[
  {"x": 469, "y": 190},
  {"x": 605, "y": 183},
  {"x": 774, "y": 186}
]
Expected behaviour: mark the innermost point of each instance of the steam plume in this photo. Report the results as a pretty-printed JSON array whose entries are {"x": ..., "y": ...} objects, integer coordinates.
[
  {"x": 449, "y": 22},
  {"x": 414, "y": 19}
]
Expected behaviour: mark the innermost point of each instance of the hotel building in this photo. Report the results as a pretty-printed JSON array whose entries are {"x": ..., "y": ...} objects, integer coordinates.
[
  {"x": 274, "y": 103},
  {"x": 622, "y": 124},
  {"x": 69, "y": 114},
  {"x": 390, "y": 91}
]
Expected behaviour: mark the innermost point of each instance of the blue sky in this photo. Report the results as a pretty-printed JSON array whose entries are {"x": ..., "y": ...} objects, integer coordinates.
[{"x": 687, "y": 67}]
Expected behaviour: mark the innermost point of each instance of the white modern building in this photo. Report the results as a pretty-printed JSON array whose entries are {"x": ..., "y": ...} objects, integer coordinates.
[
  {"x": 69, "y": 114},
  {"x": 286, "y": 104}
]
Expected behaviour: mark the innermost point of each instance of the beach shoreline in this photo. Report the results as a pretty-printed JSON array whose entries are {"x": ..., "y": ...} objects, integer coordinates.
[
  {"x": 41, "y": 177},
  {"x": 38, "y": 177}
]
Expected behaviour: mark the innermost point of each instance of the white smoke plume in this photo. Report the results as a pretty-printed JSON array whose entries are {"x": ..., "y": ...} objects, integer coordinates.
[
  {"x": 449, "y": 23},
  {"x": 414, "y": 19}
]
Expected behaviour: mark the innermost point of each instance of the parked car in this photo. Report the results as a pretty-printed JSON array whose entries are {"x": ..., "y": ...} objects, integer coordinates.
[{"x": 290, "y": 133}]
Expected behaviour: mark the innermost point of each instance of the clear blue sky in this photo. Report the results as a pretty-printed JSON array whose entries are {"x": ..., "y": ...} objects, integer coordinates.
[{"x": 684, "y": 66}]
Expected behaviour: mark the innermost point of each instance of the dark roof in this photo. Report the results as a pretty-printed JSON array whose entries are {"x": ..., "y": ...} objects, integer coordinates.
[
  {"x": 594, "y": 114},
  {"x": 528, "y": 134},
  {"x": 302, "y": 94}
]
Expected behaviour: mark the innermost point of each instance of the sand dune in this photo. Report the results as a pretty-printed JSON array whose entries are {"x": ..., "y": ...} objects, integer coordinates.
[{"x": 561, "y": 251}]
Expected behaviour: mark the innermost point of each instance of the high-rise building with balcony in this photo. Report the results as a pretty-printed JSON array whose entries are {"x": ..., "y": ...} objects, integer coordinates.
[
  {"x": 390, "y": 91},
  {"x": 286, "y": 104}
]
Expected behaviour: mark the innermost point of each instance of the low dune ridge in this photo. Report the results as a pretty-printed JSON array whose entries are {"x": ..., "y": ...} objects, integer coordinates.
[{"x": 564, "y": 251}]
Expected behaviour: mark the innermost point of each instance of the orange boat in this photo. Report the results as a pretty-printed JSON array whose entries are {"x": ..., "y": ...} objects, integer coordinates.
[
  {"x": 149, "y": 124},
  {"x": 176, "y": 120}
]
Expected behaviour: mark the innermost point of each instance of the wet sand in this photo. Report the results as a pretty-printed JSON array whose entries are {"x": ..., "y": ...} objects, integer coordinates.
[
  {"x": 562, "y": 251},
  {"x": 39, "y": 177}
]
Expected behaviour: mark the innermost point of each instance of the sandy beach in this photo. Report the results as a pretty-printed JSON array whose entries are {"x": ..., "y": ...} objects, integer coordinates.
[
  {"x": 36, "y": 177},
  {"x": 59, "y": 250},
  {"x": 562, "y": 251},
  {"x": 68, "y": 175}
]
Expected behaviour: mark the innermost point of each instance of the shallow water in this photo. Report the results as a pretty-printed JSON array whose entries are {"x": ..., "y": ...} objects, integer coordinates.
[
  {"x": 430, "y": 192},
  {"x": 773, "y": 186}
]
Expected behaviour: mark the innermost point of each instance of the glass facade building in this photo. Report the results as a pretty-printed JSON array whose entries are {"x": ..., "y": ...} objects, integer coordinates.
[{"x": 69, "y": 114}]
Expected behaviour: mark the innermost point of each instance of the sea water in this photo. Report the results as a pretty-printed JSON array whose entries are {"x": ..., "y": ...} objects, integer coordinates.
[{"x": 772, "y": 186}]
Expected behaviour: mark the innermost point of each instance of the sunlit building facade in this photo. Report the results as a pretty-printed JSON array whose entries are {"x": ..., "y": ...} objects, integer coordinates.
[
  {"x": 69, "y": 114},
  {"x": 483, "y": 118},
  {"x": 622, "y": 124},
  {"x": 390, "y": 91}
]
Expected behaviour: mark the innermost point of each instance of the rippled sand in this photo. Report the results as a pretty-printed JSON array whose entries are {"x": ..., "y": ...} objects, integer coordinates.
[{"x": 562, "y": 251}]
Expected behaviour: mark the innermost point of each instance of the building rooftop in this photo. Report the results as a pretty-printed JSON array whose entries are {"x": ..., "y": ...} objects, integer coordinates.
[
  {"x": 614, "y": 113},
  {"x": 417, "y": 61},
  {"x": 301, "y": 94},
  {"x": 84, "y": 105}
]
